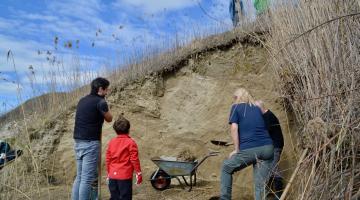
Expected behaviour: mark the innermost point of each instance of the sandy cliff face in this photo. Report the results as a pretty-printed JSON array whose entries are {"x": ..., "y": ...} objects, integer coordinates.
[
  {"x": 184, "y": 111},
  {"x": 172, "y": 113}
]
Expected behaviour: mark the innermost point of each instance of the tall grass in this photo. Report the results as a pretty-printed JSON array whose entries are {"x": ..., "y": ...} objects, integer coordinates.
[
  {"x": 25, "y": 177},
  {"x": 316, "y": 54}
]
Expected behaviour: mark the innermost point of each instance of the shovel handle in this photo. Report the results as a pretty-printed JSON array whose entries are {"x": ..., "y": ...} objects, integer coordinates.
[{"x": 213, "y": 153}]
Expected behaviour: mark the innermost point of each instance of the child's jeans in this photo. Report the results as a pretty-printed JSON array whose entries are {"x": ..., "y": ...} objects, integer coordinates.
[{"x": 120, "y": 189}]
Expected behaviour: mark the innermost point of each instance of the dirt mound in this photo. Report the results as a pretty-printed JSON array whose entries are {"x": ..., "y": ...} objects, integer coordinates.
[{"x": 186, "y": 155}]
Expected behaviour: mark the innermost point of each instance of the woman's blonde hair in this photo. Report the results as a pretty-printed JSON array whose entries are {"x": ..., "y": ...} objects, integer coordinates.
[{"x": 243, "y": 96}]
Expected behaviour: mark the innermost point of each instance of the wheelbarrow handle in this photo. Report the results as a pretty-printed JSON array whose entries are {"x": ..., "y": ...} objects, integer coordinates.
[{"x": 212, "y": 153}]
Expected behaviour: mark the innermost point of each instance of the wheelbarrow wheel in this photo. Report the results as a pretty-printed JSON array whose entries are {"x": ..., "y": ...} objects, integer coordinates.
[{"x": 161, "y": 181}]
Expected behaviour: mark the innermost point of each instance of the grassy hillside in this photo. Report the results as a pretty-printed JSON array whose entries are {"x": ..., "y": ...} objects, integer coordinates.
[{"x": 41, "y": 104}]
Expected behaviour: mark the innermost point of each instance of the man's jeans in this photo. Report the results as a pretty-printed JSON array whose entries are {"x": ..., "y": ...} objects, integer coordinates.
[
  {"x": 260, "y": 157},
  {"x": 87, "y": 156}
]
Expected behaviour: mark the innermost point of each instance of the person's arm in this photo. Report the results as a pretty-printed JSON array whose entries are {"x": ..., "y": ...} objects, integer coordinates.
[
  {"x": 235, "y": 136},
  {"x": 108, "y": 116},
  {"x": 233, "y": 121},
  {"x": 104, "y": 109},
  {"x": 107, "y": 159},
  {"x": 134, "y": 159}
]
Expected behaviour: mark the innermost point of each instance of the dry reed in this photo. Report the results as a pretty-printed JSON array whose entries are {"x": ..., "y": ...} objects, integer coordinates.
[{"x": 316, "y": 54}]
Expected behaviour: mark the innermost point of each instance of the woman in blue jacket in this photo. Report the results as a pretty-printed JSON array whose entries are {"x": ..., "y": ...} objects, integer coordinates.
[{"x": 252, "y": 143}]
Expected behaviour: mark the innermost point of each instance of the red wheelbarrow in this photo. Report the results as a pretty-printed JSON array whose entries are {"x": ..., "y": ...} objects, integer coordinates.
[{"x": 169, "y": 169}]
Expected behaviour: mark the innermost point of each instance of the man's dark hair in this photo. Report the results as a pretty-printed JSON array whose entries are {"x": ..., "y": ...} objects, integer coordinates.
[
  {"x": 121, "y": 125},
  {"x": 97, "y": 83}
]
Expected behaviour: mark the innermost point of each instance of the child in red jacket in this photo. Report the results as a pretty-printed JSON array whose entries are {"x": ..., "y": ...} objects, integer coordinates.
[{"x": 121, "y": 161}]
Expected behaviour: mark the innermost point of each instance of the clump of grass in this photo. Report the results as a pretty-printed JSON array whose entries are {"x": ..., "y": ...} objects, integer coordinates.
[{"x": 315, "y": 47}]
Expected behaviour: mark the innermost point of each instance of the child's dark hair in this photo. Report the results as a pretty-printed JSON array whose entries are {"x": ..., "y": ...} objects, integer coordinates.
[{"x": 121, "y": 125}]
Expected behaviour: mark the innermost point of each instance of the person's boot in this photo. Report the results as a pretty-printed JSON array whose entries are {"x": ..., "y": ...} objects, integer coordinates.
[{"x": 278, "y": 187}]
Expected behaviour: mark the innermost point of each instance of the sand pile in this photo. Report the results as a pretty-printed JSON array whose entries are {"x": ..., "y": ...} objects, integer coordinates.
[{"x": 186, "y": 156}]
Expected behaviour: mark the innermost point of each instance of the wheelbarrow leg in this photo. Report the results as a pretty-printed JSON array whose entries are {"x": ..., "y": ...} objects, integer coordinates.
[
  {"x": 157, "y": 171},
  {"x": 195, "y": 179},
  {"x": 191, "y": 180},
  {"x": 190, "y": 183},
  {"x": 183, "y": 187},
  {"x": 185, "y": 180}
]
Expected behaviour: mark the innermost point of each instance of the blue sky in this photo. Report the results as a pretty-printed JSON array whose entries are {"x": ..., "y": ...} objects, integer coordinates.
[{"x": 103, "y": 33}]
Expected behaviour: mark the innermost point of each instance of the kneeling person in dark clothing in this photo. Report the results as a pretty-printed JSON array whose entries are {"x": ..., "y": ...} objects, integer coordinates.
[
  {"x": 7, "y": 154},
  {"x": 121, "y": 161},
  {"x": 274, "y": 128}
]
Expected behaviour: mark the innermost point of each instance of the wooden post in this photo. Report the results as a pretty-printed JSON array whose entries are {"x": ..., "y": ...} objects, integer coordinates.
[{"x": 287, "y": 188}]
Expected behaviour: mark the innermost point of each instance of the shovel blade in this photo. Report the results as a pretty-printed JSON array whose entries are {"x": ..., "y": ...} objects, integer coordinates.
[{"x": 220, "y": 143}]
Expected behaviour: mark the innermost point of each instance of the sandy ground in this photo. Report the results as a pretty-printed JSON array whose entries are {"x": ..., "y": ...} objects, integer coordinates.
[{"x": 192, "y": 109}]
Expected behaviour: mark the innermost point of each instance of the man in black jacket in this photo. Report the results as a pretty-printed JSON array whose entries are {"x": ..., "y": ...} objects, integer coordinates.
[
  {"x": 274, "y": 128},
  {"x": 91, "y": 112}
]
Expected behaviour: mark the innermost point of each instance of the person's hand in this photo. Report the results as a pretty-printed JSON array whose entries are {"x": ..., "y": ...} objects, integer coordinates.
[
  {"x": 138, "y": 178},
  {"x": 107, "y": 181},
  {"x": 233, "y": 153},
  {"x": 2, "y": 156}
]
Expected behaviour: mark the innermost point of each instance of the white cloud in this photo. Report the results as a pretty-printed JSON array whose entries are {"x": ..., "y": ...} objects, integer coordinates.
[
  {"x": 72, "y": 20},
  {"x": 8, "y": 87},
  {"x": 81, "y": 20},
  {"x": 81, "y": 9},
  {"x": 24, "y": 52},
  {"x": 220, "y": 11},
  {"x": 35, "y": 16},
  {"x": 8, "y": 24},
  {"x": 58, "y": 81},
  {"x": 5, "y": 76},
  {"x": 154, "y": 6},
  {"x": 73, "y": 68}
]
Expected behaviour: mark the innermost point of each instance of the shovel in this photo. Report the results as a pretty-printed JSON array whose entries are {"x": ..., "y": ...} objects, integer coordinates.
[{"x": 221, "y": 143}]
